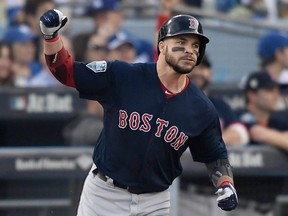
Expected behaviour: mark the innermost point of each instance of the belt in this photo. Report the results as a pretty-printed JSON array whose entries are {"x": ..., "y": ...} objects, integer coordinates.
[{"x": 133, "y": 190}]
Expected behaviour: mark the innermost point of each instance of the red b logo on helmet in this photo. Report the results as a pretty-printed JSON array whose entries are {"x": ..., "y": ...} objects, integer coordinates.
[{"x": 193, "y": 24}]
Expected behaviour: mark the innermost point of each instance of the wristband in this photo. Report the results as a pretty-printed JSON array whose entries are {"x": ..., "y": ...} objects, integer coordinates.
[
  {"x": 226, "y": 183},
  {"x": 52, "y": 39}
]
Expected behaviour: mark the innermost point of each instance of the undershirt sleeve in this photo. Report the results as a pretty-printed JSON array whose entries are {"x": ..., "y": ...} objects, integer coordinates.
[{"x": 61, "y": 66}]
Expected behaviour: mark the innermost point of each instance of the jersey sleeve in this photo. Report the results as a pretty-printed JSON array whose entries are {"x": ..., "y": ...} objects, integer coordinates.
[
  {"x": 92, "y": 79},
  {"x": 102, "y": 80},
  {"x": 61, "y": 66},
  {"x": 226, "y": 114},
  {"x": 209, "y": 145}
]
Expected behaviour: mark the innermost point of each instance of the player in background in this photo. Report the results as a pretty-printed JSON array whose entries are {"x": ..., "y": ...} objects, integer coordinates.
[
  {"x": 152, "y": 114},
  {"x": 234, "y": 131},
  {"x": 266, "y": 124}
]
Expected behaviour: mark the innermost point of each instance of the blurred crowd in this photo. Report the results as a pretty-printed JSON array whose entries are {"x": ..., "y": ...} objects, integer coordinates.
[
  {"x": 255, "y": 9},
  {"x": 107, "y": 39}
]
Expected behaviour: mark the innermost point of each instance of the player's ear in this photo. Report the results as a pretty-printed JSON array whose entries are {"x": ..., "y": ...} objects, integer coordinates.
[{"x": 161, "y": 46}]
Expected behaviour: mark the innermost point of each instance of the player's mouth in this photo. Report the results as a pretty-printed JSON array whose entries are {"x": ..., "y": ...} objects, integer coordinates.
[{"x": 191, "y": 59}]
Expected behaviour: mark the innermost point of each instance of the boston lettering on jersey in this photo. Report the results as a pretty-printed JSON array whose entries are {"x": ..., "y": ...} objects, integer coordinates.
[{"x": 135, "y": 121}]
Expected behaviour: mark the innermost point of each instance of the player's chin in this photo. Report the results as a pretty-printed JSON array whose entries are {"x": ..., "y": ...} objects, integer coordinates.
[
  {"x": 188, "y": 64},
  {"x": 183, "y": 70},
  {"x": 188, "y": 67}
]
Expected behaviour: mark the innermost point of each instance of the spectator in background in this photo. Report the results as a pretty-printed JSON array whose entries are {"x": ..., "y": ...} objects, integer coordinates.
[
  {"x": 96, "y": 48},
  {"x": 44, "y": 79},
  {"x": 6, "y": 74},
  {"x": 32, "y": 10},
  {"x": 81, "y": 43},
  {"x": 122, "y": 48},
  {"x": 108, "y": 19},
  {"x": 248, "y": 9},
  {"x": 273, "y": 53},
  {"x": 13, "y": 12},
  {"x": 233, "y": 131},
  {"x": 266, "y": 125},
  {"x": 194, "y": 3},
  {"x": 225, "y": 5},
  {"x": 21, "y": 40}
]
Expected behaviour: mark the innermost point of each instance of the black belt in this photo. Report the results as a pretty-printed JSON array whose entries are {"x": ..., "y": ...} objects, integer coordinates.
[{"x": 118, "y": 184}]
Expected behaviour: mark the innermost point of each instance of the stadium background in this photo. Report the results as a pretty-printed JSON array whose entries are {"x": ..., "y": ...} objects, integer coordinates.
[{"x": 41, "y": 176}]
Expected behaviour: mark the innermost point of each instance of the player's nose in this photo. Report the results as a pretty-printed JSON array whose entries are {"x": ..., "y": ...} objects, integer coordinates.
[{"x": 191, "y": 50}]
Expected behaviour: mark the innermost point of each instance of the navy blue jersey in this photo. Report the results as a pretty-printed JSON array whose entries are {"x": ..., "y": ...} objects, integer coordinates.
[
  {"x": 145, "y": 133},
  {"x": 226, "y": 115},
  {"x": 277, "y": 120}
]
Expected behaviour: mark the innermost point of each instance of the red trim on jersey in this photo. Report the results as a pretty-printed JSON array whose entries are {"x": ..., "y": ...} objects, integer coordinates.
[
  {"x": 187, "y": 83},
  {"x": 61, "y": 66},
  {"x": 170, "y": 94}
]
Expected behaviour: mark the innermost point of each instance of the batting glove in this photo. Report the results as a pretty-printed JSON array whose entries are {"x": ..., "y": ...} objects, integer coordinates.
[
  {"x": 51, "y": 22},
  {"x": 227, "y": 197}
]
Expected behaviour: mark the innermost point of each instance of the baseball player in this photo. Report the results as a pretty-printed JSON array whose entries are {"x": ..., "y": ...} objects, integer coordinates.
[{"x": 152, "y": 114}]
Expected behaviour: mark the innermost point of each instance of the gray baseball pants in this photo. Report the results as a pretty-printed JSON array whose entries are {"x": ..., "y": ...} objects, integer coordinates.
[{"x": 100, "y": 198}]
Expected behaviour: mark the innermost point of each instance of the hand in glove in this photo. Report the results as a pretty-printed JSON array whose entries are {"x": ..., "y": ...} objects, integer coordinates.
[
  {"x": 51, "y": 22},
  {"x": 227, "y": 197}
]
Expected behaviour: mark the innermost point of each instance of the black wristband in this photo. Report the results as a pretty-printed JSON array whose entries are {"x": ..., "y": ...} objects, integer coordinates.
[{"x": 50, "y": 37}]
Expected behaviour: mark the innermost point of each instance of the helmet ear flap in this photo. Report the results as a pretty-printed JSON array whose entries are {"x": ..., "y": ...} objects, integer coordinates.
[{"x": 201, "y": 54}]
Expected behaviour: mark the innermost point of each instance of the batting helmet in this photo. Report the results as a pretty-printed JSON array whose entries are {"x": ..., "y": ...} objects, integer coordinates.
[{"x": 184, "y": 24}]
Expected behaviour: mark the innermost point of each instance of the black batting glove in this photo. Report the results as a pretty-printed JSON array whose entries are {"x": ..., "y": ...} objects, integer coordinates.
[
  {"x": 51, "y": 22},
  {"x": 227, "y": 197}
]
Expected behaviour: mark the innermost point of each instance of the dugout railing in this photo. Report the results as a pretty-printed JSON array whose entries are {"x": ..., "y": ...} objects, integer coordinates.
[{"x": 45, "y": 167}]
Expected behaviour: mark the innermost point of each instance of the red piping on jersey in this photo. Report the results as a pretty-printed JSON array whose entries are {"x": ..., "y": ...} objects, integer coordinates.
[
  {"x": 170, "y": 94},
  {"x": 61, "y": 66}
]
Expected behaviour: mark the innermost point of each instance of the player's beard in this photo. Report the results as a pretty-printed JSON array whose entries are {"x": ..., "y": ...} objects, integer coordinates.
[{"x": 172, "y": 62}]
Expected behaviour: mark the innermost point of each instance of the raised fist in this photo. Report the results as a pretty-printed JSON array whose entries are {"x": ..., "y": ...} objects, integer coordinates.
[{"x": 51, "y": 22}]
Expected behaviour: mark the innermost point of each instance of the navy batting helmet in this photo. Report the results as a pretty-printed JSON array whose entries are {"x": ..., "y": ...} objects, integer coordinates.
[{"x": 184, "y": 24}]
